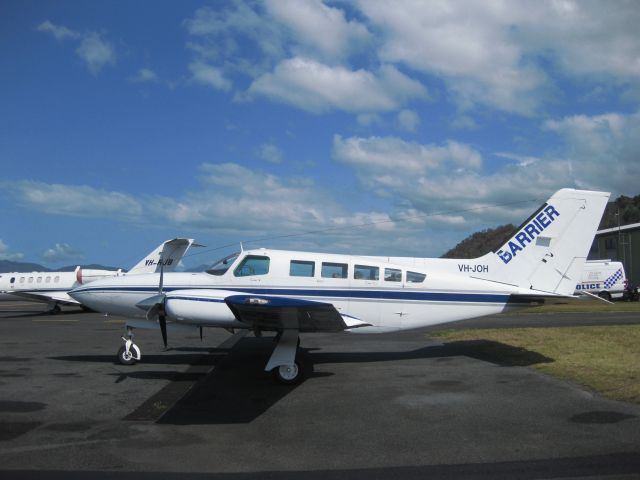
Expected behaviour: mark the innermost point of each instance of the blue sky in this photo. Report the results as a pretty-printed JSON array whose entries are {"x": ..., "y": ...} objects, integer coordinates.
[{"x": 392, "y": 127}]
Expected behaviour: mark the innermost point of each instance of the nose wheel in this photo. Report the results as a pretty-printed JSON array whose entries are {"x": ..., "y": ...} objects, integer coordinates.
[{"x": 129, "y": 353}]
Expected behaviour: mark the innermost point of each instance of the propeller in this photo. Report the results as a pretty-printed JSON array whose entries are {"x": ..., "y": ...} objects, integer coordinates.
[
  {"x": 162, "y": 319},
  {"x": 155, "y": 306}
]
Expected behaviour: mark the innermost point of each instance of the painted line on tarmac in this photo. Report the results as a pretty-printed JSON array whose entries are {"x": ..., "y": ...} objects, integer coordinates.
[{"x": 54, "y": 320}]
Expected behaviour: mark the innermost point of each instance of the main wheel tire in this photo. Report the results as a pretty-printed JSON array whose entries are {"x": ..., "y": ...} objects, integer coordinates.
[
  {"x": 125, "y": 358},
  {"x": 605, "y": 296},
  {"x": 289, "y": 374}
]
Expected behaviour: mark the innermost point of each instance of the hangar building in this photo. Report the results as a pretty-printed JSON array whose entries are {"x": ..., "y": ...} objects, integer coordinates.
[{"x": 621, "y": 244}]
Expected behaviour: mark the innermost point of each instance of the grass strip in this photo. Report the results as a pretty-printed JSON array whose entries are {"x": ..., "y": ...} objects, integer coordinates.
[
  {"x": 603, "y": 358},
  {"x": 579, "y": 305}
]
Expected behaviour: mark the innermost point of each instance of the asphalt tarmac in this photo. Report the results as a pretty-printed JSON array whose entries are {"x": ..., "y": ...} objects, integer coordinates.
[{"x": 374, "y": 406}]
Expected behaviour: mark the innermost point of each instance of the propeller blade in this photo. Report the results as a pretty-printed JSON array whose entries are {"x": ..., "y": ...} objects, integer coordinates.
[
  {"x": 200, "y": 333},
  {"x": 163, "y": 328},
  {"x": 161, "y": 276}
]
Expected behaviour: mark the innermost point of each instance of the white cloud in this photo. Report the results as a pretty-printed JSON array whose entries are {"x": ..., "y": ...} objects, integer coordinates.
[
  {"x": 463, "y": 122},
  {"x": 96, "y": 52},
  {"x": 468, "y": 43},
  {"x": 495, "y": 53},
  {"x": 513, "y": 57},
  {"x": 209, "y": 76},
  {"x": 319, "y": 29},
  {"x": 270, "y": 152},
  {"x": 602, "y": 151},
  {"x": 408, "y": 120},
  {"x": 74, "y": 200},
  {"x": 597, "y": 152},
  {"x": 59, "y": 32},
  {"x": 317, "y": 87},
  {"x": 369, "y": 119},
  {"x": 145, "y": 75},
  {"x": 386, "y": 155},
  {"x": 62, "y": 252},
  {"x": 5, "y": 253},
  {"x": 233, "y": 201},
  {"x": 94, "y": 49}
]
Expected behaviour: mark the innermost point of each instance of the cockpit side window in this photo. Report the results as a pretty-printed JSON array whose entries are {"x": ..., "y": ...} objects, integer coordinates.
[
  {"x": 221, "y": 266},
  {"x": 252, "y": 265}
]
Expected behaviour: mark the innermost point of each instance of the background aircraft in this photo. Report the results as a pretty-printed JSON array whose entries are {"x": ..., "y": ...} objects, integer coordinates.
[
  {"x": 53, "y": 287},
  {"x": 292, "y": 292}
]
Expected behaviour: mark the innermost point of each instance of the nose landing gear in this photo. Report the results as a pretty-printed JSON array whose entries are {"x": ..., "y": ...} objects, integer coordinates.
[{"x": 129, "y": 353}]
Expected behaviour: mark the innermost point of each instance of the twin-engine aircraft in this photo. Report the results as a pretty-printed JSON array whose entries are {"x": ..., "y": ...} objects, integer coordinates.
[
  {"x": 289, "y": 292},
  {"x": 53, "y": 287}
]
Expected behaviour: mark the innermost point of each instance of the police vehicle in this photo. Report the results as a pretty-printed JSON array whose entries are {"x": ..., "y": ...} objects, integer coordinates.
[{"x": 604, "y": 278}]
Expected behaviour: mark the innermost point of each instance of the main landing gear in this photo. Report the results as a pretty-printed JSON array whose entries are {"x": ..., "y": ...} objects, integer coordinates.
[
  {"x": 129, "y": 353},
  {"x": 55, "y": 309},
  {"x": 284, "y": 364}
]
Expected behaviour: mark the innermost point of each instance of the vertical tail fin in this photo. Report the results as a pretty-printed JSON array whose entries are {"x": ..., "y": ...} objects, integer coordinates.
[
  {"x": 168, "y": 254},
  {"x": 548, "y": 251}
]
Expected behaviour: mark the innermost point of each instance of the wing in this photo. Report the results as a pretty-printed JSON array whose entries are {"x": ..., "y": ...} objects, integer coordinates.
[
  {"x": 272, "y": 313},
  {"x": 47, "y": 297}
]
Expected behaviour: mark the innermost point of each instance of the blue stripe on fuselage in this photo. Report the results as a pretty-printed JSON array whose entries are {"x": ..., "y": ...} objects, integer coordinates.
[{"x": 329, "y": 293}]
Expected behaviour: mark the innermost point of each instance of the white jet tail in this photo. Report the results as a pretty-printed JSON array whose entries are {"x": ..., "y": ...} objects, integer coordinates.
[
  {"x": 548, "y": 251},
  {"x": 168, "y": 255}
]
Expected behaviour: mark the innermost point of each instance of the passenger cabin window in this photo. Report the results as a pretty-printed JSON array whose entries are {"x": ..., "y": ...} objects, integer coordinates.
[
  {"x": 39, "y": 279},
  {"x": 21, "y": 279},
  {"x": 415, "y": 277},
  {"x": 221, "y": 266},
  {"x": 30, "y": 279},
  {"x": 364, "y": 272},
  {"x": 302, "y": 268},
  {"x": 48, "y": 279},
  {"x": 392, "y": 275},
  {"x": 334, "y": 270},
  {"x": 56, "y": 280},
  {"x": 252, "y": 265},
  {"x": 13, "y": 280}
]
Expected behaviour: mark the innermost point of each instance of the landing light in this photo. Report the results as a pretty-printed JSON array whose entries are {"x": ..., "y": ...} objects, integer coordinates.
[{"x": 257, "y": 301}]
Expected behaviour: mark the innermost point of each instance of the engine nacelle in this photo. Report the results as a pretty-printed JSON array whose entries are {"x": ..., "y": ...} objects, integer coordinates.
[
  {"x": 87, "y": 275},
  {"x": 201, "y": 307}
]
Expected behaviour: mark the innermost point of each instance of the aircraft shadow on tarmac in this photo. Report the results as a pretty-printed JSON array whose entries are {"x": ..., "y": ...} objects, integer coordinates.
[
  {"x": 228, "y": 387},
  {"x": 37, "y": 313},
  {"x": 238, "y": 390}
]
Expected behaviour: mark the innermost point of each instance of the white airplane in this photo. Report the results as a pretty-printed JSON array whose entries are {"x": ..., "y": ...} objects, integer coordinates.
[
  {"x": 291, "y": 292},
  {"x": 53, "y": 287}
]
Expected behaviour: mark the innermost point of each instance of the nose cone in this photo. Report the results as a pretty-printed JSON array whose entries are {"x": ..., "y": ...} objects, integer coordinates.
[
  {"x": 82, "y": 295},
  {"x": 95, "y": 295}
]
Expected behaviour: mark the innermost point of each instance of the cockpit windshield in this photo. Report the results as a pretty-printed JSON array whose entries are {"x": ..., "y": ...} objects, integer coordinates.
[{"x": 221, "y": 266}]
